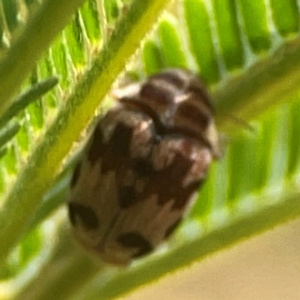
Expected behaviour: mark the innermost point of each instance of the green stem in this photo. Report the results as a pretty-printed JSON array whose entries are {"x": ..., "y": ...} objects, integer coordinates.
[
  {"x": 42, "y": 167},
  {"x": 270, "y": 80},
  {"x": 67, "y": 262}
]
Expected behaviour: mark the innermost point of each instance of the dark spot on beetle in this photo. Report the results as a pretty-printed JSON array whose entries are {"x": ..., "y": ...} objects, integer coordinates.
[
  {"x": 167, "y": 183},
  {"x": 86, "y": 215},
  {"x": 127, "y": 196},
  {"x": 76, "y": 174},
  {"x": 94, "y": 152},
  {"x": 144, "y": 107},
  {"x": 194, "y": 114},
  {"x": 156, "y": 93},
  {"x": 115, "y": 153},
  {"x": 199, "y": 91},
  {"x": 184, "y": 131},
  {"x": 172, "y": 228},
  {"x": 185, "y": 194},
  {"x": 115, "y": 149},
  {"x": 135, "y": 240},
  {"x": 143, "y": 167}
]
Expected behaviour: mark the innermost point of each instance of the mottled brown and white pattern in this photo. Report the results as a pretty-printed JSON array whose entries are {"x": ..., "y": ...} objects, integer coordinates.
[{"x": 147, "y": 157}]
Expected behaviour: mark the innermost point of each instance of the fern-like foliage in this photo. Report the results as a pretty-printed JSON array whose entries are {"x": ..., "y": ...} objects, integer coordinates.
[{"x": 59, "y": 60}]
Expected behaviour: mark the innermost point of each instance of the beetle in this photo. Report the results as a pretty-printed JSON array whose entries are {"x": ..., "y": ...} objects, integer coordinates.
[{"x": 141, "y": 168}]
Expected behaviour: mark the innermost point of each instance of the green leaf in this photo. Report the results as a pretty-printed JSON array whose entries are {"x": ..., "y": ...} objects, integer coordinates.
[
  {"x": 201, "y": 41},
  {"x": 37, "y": 34}
]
